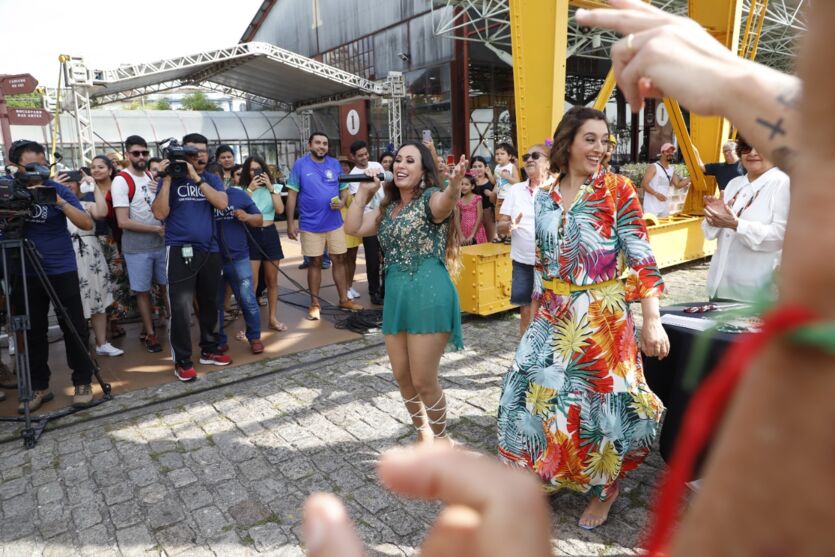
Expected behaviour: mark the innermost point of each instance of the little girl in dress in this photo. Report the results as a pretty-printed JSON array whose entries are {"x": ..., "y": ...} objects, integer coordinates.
[{"x": 471, "y": 216}]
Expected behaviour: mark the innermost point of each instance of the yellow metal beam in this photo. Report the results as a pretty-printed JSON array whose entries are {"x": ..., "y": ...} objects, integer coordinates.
[
  {"x": 723, "y": 18},
  {"x": 538, "y": 67},
  {"x": 605, "y": 91}
]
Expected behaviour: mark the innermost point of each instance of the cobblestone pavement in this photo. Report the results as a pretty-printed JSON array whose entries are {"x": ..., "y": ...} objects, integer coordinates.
[{"x": 221, "y": 467}]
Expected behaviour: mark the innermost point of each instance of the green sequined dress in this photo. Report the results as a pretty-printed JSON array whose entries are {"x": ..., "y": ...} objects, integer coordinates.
[{"x": 420, "y": 296}]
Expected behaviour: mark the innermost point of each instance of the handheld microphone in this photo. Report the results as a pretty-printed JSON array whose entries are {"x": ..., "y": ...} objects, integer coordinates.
[{"x": 382, "y": 176}]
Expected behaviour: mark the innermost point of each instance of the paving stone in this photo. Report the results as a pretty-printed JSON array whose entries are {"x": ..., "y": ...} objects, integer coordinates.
[
  {"x": 118, "y": 493},
  {"x": 248, "y": 513},
  {"x": 267, "y": 537},
  {"x": 210, "y": 521},
  {"x": 165, "y": 513},
  {"x": 195, "y": 496},
  {"x": 176, "y": 538},
  {"x": 53, "y": 520},
  {"x": 86, "y": 515},
  {"x": 142, "y": 477},
  {"x": 153, "y": 493},
  {"x": 136, "y": 540},
  {"x": 182, "y": 477},
  {"x": 13, "y": 488},
  {"x": 125, "y": 514},
  {"x": 93, "y": 540}
]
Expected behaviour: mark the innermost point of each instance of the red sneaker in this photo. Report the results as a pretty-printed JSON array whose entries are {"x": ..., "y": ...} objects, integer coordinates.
[
  {"x": 215, "y": 359},
  {"x": 185, "y": 374},
  {"x": 223, "y": 348}
]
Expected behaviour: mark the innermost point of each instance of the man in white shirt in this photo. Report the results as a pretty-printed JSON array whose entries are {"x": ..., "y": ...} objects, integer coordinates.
[
  {"x": 143, "y": 242},
  {"x": 370, "y": 244},
  {"x": 516, "y": 218}
]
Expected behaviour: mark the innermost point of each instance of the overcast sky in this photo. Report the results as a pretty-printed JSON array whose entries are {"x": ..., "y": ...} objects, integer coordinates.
[{"x": 107, "y": 33}]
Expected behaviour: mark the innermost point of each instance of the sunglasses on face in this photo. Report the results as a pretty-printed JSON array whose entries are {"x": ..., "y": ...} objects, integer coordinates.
[
  {"x": 139, "y": 153},
  {"x": 536, "y": 155},
  {"x": 744, "y": 149}
]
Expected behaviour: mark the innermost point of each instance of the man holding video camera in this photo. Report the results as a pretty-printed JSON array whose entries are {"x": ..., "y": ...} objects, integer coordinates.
[
  {"x": 185, "y": 201},
  {"x": 46, "y": 228}
]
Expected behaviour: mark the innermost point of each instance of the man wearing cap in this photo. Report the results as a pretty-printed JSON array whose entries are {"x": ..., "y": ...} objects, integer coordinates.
[
  {"x": 46, "y": 228},
  {"x": 660, "y": 182}
]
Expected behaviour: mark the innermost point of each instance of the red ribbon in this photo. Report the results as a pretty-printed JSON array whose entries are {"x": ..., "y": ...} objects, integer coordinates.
[{"x": 706, "y": 409}]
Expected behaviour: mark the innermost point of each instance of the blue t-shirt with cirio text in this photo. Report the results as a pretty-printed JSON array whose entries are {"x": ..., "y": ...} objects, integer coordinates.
[
  {"x": 231, "y": 235},
  {"x": 316, "y": 184},
  {"x": 191, "y": 218},
  {"x": 46, "y": 227}
]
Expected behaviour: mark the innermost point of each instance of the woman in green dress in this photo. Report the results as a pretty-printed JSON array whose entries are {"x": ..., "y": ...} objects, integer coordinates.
[{"x": 415, "y": 225}]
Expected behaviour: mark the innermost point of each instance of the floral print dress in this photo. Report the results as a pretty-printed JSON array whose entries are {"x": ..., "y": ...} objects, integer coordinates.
[
  {"x": 574, "y": 406},
  {"x": 94, "y": 277}
]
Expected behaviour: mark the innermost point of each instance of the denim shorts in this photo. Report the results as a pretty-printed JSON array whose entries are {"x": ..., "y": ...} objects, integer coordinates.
[
  {"x": 267, "y": 245},
  {"x": 521, "y": 284},
  {"x": 146, "y": 268}
]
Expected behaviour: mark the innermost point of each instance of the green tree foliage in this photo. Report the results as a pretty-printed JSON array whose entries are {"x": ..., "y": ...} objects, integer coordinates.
[
  {"x": 31, "y": 100},
  {"x": 163, "y": 104},
  {"x": 198, "y": 101}
]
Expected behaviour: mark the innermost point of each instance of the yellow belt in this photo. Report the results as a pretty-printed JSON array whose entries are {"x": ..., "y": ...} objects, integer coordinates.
[{"x": 563, "y": 288}]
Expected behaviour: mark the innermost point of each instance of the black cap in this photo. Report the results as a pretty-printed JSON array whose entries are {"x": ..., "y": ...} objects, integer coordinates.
[{"x": 20, "y": 145}]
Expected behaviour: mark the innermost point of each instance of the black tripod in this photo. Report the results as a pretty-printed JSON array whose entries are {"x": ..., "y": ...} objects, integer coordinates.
[{"x": 20, "y": 253}]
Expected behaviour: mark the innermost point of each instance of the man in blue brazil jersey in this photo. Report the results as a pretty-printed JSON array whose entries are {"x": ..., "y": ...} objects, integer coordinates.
[
  {"x": 186, "y": 205},
  {"x": 315, "y": 186}
]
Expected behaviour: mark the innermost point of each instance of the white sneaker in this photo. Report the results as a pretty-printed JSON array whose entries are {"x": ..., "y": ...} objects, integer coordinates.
[
  {"x": 353, "y": 294},
  {"x": 108, "y": 349}
]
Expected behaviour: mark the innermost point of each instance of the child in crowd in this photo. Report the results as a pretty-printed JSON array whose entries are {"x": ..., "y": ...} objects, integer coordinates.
[
  {"x": 506, "y": 173},
  {"x": 471, "y": 214}
]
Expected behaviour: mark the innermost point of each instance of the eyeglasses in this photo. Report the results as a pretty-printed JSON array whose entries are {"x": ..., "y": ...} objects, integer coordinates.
[
  {"x": 139, "y": 153},
  {"x": 536, "y": 155},
  {"x": 743, "y": 148},
  {"x": 701, "y": 309}
]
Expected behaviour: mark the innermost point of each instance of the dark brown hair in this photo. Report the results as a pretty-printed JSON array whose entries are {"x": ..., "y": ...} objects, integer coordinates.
[
  {"x": 430, "y": 180},
  {"x": 567, "y": 130}
]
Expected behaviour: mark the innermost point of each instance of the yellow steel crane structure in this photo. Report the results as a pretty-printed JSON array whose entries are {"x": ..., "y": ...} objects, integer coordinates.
[{"x": 539, "y": 76}]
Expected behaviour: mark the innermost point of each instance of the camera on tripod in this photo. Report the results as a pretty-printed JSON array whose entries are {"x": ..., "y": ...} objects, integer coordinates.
[
  {"x": 177, "y": 154},
  {"x": 19, "y": 193}
]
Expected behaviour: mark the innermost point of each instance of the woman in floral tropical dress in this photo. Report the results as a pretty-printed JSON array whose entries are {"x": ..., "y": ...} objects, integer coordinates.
[{"x": 575, "y": 408}]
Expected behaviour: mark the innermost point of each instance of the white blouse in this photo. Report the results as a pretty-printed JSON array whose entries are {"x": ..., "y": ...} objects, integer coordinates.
[{"x": 746, "y": 258}]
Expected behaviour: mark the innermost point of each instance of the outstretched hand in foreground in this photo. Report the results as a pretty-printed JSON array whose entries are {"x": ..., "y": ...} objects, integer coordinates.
[{"x": 491, "y": 510}]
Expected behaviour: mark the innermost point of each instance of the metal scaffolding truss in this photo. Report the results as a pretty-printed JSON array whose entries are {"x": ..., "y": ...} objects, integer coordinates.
[
  {"x": 228, "y": 66},
  {"x": 260, "y": 72},
  {"x": 487, "y": 21}
]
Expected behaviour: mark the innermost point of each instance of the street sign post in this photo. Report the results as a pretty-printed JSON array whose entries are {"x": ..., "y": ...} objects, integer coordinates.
[
  {"x": 18, "y": 84},
  {"x": 29, "y": 117}
]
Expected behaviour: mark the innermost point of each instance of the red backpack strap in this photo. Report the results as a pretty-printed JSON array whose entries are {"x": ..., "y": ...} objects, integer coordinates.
[{"x": 131, "y": 184}]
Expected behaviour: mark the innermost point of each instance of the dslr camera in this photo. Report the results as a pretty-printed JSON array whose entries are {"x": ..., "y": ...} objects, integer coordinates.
[{"x": 177, "y": 154}]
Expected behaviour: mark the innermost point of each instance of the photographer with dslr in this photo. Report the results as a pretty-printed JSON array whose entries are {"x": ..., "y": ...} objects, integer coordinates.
[
  {"x": 185, "y": 201},
  {"x": 46, "y": 228}
]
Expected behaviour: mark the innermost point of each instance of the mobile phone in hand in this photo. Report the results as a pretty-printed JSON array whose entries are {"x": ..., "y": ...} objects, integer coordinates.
[{"x": 427, "y": 135}]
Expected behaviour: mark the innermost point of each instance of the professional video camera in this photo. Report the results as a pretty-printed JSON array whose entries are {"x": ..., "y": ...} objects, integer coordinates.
[
  {"x": 177, "y": 154},
  {"x": 19, "y": 193}
]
